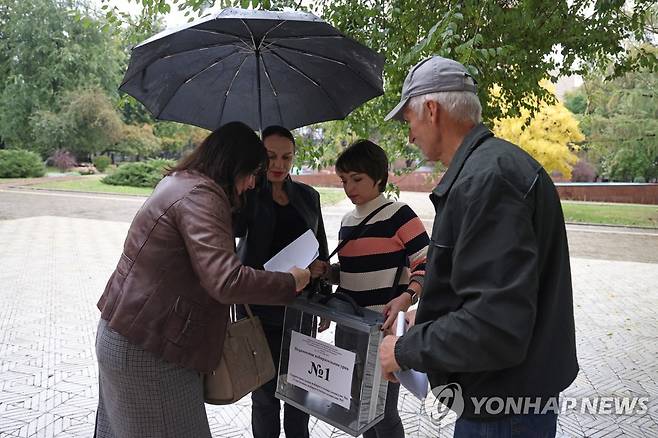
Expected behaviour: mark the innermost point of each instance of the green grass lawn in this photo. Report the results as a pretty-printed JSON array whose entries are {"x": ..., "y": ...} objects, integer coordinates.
[
  {"x": 10, "y": 180},
  {"x": 49, "y": 170},
  {"x": 53, "y": 169},
  {"x": 611, "y": 214},
  {"x": 328, "y": 195},
  {"x": 584, "y": 212},
  {"x": 92, "y": 183}
]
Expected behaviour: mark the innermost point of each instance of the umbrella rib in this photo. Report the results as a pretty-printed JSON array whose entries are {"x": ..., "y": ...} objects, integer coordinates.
[
  {"x": 276, "y": 94},
  {"x": 228, "y": 90},
  {"x": 214, "y": 63},
  {"x": 258, "y": 59},
  {"x": 191, "y": 78},
  {"x": 311, "y": 80},
  {"x": 305, "y": 52},
  {"x": 253, "y": 39},
  {"x": 260, "y": 46},
  {"x": 303, "y": 37},
  {"x": 219, "y": 32},
  {"x": 326, "y": 58},
  {"x": 183, "y": 52}
]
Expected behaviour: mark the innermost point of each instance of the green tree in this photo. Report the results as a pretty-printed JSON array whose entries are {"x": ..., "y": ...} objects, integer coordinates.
[
  {"x": 138, "y": 141},
  {"x": 576, "y": 101},
  {"x": 505, "y": 43},
  {"x": 134, "y": 31},
  {"x": 513, "y": 44},
  {"x": 45, "y": 50},
  {"x": 176, "y": 137},
  {"x": 621, "y": 125},
  {"x": 87, "y": 124}
]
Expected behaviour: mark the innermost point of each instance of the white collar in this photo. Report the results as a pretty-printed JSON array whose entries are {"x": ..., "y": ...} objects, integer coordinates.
[{"x": 364, "y": 210}]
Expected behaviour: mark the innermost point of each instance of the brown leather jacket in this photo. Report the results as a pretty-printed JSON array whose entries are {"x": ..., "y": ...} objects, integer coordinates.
[{"x": 178, "y": 272}]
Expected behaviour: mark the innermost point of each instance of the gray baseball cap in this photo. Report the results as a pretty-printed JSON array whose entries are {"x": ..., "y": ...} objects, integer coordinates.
[{"x": 432, "y": 75}]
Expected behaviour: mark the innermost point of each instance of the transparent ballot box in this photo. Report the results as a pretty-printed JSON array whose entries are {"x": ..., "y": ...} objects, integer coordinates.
[{"x": 335, "y": 375}]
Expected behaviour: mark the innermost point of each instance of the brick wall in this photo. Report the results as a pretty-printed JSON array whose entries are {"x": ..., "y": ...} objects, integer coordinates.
[
  {"x": 609, "y": 192},
  {"x": 413, "y": 182},
  {"x": 601, "y": 192}
]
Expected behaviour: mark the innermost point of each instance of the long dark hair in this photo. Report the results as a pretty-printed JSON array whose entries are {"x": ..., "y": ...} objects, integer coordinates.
[{"x": 227, "y": 154}]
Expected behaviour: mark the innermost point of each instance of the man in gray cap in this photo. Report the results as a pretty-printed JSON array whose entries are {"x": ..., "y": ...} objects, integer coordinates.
[{"x": 495, "y": 319}]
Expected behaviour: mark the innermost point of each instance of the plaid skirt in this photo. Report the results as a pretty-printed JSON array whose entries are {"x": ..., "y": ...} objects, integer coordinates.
[{"x": 141, "y": 395}]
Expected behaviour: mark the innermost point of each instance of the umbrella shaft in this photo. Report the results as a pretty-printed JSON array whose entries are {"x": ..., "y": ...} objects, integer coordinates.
[{"x": 258, "y": 97}]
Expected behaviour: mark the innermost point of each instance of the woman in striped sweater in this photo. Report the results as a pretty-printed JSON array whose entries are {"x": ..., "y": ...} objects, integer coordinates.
[{"x": 392, "y": 245}]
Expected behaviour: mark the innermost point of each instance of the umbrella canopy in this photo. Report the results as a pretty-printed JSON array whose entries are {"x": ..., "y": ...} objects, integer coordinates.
[{"x": 258, "y": 67}]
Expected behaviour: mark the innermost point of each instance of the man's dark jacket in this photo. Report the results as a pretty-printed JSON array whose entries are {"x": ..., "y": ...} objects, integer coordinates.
[
  {"x": 255, "y": 227},
  {"x": 496, "y": 312}
]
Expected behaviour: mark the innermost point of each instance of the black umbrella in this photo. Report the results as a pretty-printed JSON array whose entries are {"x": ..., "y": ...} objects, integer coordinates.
[{"x": 258, "y": 67}]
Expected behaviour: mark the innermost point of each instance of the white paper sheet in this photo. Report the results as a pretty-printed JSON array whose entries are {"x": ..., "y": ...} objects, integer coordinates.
[
  {"x": 415, "y": 381},
  {"x": 301, "y": 252}
]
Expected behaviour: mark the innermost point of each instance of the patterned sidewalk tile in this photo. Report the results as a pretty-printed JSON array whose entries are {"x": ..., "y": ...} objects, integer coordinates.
[{"x": 54, "y": 268}]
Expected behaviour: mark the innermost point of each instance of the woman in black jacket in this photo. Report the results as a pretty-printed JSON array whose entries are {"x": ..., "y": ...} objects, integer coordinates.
[{"x": 276, "y": 213}]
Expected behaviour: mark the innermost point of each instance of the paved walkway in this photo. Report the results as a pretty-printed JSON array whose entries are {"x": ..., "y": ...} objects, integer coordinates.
[{"x": 56, "y": 254}]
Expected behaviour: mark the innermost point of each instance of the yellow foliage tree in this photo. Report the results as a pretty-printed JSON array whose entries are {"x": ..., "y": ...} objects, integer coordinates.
[{"x": 550, "y": 136}]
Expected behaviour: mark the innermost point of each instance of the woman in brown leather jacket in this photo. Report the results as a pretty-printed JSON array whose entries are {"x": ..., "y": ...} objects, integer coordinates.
[{"x": 165, "y": 308}]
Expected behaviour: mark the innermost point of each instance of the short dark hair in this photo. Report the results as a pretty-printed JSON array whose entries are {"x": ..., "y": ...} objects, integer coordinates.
[
  {"x": 364, "y": 156},
  {"x": 281, "y": 132},
  {"x": 228, "y": 153}
]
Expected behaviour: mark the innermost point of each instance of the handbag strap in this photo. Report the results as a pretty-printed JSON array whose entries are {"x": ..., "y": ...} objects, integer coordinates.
[
  {"x": 356, "y": 231},
  {"x": 233, "y": 313}
]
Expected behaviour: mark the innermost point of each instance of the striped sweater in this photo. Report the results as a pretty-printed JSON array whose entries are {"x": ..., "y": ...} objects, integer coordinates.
[{"x": 394, "y": 237}]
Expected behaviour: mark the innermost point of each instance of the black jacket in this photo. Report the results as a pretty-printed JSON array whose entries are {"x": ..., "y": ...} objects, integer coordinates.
[
  {"x": 255, "y": 226},
  {"x": 496, "y": 312}
]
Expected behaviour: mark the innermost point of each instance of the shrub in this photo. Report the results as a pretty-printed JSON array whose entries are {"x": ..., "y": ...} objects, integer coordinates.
[
  {"x": 61, "y": 159},
  {"x": 111, "y": 169},
  {"x": 101, "y": 162},
  {"x": 139, "y": 174},
  {"x": 639, "y": 180},
  {"x": 18, "y": 163}
]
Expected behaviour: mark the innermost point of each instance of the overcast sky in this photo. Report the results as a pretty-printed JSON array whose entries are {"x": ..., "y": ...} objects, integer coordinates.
[{"x": 173, "y": 19}]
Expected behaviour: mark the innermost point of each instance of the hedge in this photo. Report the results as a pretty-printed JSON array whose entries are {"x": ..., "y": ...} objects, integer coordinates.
[
  {"x": 139, "y": 174},
  {"x": 18, "y": 163}
]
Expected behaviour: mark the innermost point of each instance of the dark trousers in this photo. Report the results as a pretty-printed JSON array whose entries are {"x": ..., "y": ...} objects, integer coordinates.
[
  {"x": 266, "y": 408},
  {"x": 511, "y": 426}
]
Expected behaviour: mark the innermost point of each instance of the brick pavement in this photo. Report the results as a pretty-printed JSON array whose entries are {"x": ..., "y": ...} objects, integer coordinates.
[{"x": 52, "y": 270}]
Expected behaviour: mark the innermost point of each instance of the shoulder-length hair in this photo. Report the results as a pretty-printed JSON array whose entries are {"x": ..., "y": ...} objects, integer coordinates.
[{"x": 229, "y": 153}]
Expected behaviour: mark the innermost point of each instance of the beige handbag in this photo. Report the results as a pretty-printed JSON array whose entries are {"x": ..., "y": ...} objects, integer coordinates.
[{"x": 246, "y": 362}]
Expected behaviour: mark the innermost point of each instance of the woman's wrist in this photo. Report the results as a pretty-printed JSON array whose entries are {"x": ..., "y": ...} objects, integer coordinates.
[{"x": 413, "y": 295}]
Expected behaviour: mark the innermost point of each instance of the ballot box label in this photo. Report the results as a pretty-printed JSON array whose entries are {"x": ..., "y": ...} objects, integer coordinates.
[{"x": 321, "y": 368}]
